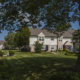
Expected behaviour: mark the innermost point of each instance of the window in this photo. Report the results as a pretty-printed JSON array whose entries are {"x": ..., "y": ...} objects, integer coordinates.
[
  {"x": 52, "y": 47},
  {"x": 41, "y": 38},
  {"x": 60, "y": 39},
  {"x": 60, "y": 47},
  {"x": 52, "y": 38}
]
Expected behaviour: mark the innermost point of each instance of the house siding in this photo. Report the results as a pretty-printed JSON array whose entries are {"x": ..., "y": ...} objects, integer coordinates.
[
  {"x": 1, "y": 47},
  {"x": 48, "y": 42}
]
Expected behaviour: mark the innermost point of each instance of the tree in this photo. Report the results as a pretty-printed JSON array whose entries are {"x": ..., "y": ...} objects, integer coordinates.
[
  {"x": 76, "y": 39},
  {"x": 22, "y": 37},
  {"x": 38, "y": 47},
  {"x": 9, "y": 41},
  {"x": 50, "y": 12}
]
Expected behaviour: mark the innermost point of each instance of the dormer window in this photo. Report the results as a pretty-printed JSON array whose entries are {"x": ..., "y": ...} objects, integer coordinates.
[{"x": 41, "y": 38}]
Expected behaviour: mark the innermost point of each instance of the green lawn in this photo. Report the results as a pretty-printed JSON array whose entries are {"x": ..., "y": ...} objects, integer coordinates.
[{"x": 34, "y": 66}]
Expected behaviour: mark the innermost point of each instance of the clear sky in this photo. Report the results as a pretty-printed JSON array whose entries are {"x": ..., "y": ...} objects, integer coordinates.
[{"x": 4, "y": 33}]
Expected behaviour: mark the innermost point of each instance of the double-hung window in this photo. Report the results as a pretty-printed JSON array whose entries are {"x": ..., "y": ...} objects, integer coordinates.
[
  {"x": 52, "y": 47},
  {"x": 41, "y": 38},
  {"x": 60, "y": 39}
]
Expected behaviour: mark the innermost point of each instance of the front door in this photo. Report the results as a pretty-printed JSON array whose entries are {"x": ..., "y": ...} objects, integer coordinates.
[
  {"x": 46, "y": 47},
  {"x": 69, "y": 47}
]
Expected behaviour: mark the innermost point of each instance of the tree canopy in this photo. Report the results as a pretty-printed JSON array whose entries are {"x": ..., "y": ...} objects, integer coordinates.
[
  {"x": 52, "y": 13},
  {"x": 22, "y": 37},
  {"x": 9, "y": 41}
]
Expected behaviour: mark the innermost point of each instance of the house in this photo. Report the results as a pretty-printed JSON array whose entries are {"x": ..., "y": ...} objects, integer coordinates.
[
  {"x": 50, "y": 40},
  {"x": 1, "y": 45}
]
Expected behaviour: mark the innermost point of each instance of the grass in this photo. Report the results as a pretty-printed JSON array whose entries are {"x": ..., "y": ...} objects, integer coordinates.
[{"x": 34, "y": 66}]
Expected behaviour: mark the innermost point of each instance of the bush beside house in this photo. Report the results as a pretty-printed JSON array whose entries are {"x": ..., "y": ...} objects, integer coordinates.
[
  {"x": 38, "y": 47},
  {"x": 11, "y": 53},
  {"x": 1, "y": 53}
]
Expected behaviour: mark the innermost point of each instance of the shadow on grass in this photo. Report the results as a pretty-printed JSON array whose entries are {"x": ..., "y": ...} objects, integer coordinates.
[{"x": 34, "y": 68}]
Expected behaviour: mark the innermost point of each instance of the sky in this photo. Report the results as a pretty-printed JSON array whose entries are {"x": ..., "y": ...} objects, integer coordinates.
[{"x": 4, "y": 33}]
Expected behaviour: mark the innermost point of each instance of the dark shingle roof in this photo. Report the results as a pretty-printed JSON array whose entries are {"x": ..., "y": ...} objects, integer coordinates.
[
  {"x": 36, "y": 32},
  {"x": 68, "y": 33}
]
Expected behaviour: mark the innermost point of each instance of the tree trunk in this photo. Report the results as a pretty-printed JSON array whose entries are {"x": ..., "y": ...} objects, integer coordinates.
[
  {"x": 57, "y": 42},
  {"x": 77, "y": 67},
  {"x": 78, "y": 61}
]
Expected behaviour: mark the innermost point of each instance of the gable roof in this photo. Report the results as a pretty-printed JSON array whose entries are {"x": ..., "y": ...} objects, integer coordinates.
[
  {"x": 37, "y": 31},
  {"x": 67, "y": 43},
  {"x": 68, "y": 34}
]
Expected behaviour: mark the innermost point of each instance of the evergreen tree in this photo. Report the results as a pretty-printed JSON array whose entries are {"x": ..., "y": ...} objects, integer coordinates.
[{"x": 22, "y": 37}]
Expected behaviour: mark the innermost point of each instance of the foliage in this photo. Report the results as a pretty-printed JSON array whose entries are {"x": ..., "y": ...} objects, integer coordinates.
[
  {"x": 22, "y": 37},
  {"x": 9, "y": 41},
  {"x": 67, "y": 53},
  {"x": 60, "y": 50},
  {"x": 43, "y": 11},
  {"x": 1, "y": 53},
  {"x": 11, "y": 53},
  {"x": 76, "y": 39},
  {"x": 38, "y": 47},
  {"x": 67, "y": 50},
  {"x": 66, "y": 76},
  {"x": 25, "y": 49}
]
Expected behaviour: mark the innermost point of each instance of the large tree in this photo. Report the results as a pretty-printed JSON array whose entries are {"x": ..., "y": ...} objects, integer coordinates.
[
  {"x": 9, "y": 41},
  {"x": 51, "y": 13},
  {"x": 22, "y": 37},
  {"x": 76, "y": 39}
]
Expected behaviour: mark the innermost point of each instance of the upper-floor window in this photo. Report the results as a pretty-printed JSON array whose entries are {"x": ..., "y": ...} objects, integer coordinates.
[
  {"x": 52, "y": 38},
  {"x": 60, "y": 39},
  {"x": 41, "y": 38}
]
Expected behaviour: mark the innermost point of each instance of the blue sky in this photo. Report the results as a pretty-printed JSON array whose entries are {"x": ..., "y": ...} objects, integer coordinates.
[{"x": 4, "y": 33}]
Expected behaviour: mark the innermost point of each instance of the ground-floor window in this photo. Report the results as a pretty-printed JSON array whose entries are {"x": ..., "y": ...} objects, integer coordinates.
[
  {"x": 52, "y": 47},
  {"x": 60, "y": 47}
]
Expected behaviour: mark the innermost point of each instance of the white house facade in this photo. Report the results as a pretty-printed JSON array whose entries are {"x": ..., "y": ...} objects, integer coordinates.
[
  {"x": 50, "y": 40},
  {"x": 1, "y": 45}
]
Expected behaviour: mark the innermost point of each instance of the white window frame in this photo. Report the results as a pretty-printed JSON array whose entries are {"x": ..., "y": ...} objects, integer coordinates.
[
  {"x": 41, "y": 38},
  {"x": 60, "y": 47}
]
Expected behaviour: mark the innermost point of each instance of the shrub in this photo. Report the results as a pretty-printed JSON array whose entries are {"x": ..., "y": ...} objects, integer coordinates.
[
  {"x": 1, "y": 53},
  {"x": 38, "y": 47},
  {"x": 25, "y": 49},
  {"x": 66, "y": 53},
  {"x": 67, "y": 50},
  {"x": 11, "y": 53},
  {"x": 60, "y": 50}
]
